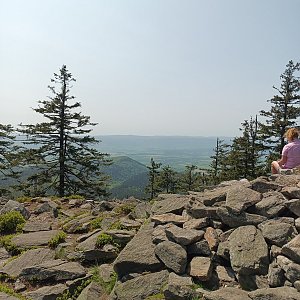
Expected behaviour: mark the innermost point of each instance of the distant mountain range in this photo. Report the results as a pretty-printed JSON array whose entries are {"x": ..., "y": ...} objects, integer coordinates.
[{"x": 176, "y": 151}]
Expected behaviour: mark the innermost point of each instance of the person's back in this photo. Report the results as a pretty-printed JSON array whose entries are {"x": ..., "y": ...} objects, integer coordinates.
[{"x": 292, "y": 152}]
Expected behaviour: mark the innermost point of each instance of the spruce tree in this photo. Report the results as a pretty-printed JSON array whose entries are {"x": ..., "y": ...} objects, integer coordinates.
[
  {"x": 190, "y": 178},
  {"x": 9, "y": 158},
  {"x": 284, "y": 110},
  {"x": 66, "y": 157},
  {"x": 167, "y": 179},
  {"x": 153, "y": 187}
]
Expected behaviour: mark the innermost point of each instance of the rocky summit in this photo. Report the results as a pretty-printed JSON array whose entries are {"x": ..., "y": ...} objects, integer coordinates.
[{"x": 238, "y": 240}]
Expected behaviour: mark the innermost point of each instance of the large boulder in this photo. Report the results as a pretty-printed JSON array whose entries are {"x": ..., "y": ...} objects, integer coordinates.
[
  {"x": 141, "y": 287},
  {"x": 239, "y": 198},
  {"x": 12, "y": 205},
  {"x": 138, "y": 255},
  {"x": 227, "y": 293},
  {"x": 248, "y": 251},
  {"x": 47, "y": 292},
  {"x": 169, "y": 203},
  {"x": 26, "y": 260},
  {"x": 172, "y": 255},
  {"x": 292, "y": 249},
  {"x": 279, "y": 293},
  {"x": 92, "y": 291}
]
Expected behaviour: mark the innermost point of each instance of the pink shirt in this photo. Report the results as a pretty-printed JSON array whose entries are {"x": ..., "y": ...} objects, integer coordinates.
[{"x": 292, "y": 152}]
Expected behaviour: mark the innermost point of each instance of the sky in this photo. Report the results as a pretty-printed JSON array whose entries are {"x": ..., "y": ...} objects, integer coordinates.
[{"x": 148, "y": 67}]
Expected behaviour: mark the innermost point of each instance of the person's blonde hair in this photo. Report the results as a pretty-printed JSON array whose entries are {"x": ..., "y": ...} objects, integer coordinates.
[{"x": 292, "y": 133}]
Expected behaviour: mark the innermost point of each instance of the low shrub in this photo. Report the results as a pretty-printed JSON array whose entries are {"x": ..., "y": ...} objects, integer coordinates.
[
  {"x": 124, "y": 209},
  {"x": 108, "y": 286},
  {"x": 23, "y": 199},
  {"x": 56, "y": 240},
  {"x": 11, "y": 221},
  {"x": 103, "y": 239},
  {"x": 96, "y": 223},
  {"x": 7, "y": 290}
]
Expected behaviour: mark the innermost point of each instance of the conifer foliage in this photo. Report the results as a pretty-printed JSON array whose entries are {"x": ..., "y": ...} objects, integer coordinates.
[{"x": 67, "y": 163}]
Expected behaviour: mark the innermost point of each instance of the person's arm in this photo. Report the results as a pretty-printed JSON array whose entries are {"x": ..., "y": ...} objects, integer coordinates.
[{"x": 282, "y": 161}]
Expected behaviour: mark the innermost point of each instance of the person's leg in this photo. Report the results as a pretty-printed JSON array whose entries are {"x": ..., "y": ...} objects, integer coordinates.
[{"x": 275, "y": 167}]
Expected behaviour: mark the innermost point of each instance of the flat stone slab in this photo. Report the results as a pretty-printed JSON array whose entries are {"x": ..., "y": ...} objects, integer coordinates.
[
  {"x": 294, "y": 206},
  {"x": 47, "y": 292},
  {"x": 33, "y": 226},
  {"x": 279, "y": 293},
  {"x": 57, "y": 270},
  {"x": 168, "y": 218},
  {"x": 169, "y": 203},
  {"x": 39, "y": 238},
  {"x": 227, "y": 293},
  {"x": 92, "y": 291},
  {"x": 26, "y": 260}
]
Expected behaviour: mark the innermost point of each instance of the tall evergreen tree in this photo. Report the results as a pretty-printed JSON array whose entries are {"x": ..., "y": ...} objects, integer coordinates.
[
  {"x": 218, "y": 166},
  {"x": 167, "y": 179},
  {"x": 153, "y": 187},
  {"x": 67, "y": 161},
  {"x": 9, "y": 157},
  {"x": 284, "y": 110},
  {"x": 190, "y": 178}
]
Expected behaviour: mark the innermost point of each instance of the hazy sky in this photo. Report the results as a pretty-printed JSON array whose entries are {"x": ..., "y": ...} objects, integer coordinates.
[{"x": 148, "y": 67}]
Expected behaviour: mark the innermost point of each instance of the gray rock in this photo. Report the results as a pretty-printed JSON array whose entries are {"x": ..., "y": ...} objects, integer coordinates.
[
  {"x": 275, "y": 275},
  {"x": 138, "y": 255},
  {"x": 223, "y": 250},
  {"x": 47, "y": 292},
  {"x": 262, "y": 185},
  {"x": 279, "y": 293},
  {"x": 142, "y": 211},
  {"x": 27, "y": 259},
  {"x": 290, "y": 180},
  {"x": 248, "y": 251},
  {"x": 227, "y": 293},
  {"x": 211, "y": 236},
  {"x": 198, "y": 210},
  {"x": 272, "y": 205},
  {"x": 297, "y": 285},
  {"x": 141, "y": 287},
  {"x": 121, "y": 237},
  {"x": 39, "y": 238},
  {"x": 201, "y": 268},
  {"x": 168, "y": 218},
  {"x": 200, "y": 248},
  {"x": 159, "y": 234},
  {"x": 235, "y": 220},
  {"x": 225, "y": 276},
  {"x": 48, "y": 206},
  {"x": 91, "y": 292},
  {"x": 294, "y": 206},
  {"x": 79, "y": 224},
  {"x": 240, "y": 198},
  {"x": 183, "y": 236},
  {"x": 4, "y": 296},
  {"x": 172, "y": 255},
  {"x": 211, "y": 197},
  {"x": 196, "y": 223},
  {"x": 57, "y": 270},
  {"x": 169, "y": 203},
  {"x": 292, "y": 249},
  {"x": 291, "y": 192},
  {"x": 12, "y": 205},
  {"x": 252, "y": 282},
  {"x": 277, "y": 233},
  {"x": 33, "y": 226},
  {"x": 106, "y": 272}
]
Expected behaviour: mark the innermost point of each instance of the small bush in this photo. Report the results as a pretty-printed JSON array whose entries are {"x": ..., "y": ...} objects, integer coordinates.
[
  {"x": 7, "y": 290},
  {"x": 56, "y": 240},
  {"x": 23, "y": 199},
  {"x": 103, "y": 239},
  {"x": 75, "y": 197},
  {"x": 117, "y": 226},
  {"x": 11, "y": 222},
  {"x": 96, "y": 223},
  {"x": 124, "y": 209},
  {"x": 108, "y": 286}
]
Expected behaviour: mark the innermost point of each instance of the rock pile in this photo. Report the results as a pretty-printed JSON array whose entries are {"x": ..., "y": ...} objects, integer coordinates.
[{"x": 240, "y": 240}]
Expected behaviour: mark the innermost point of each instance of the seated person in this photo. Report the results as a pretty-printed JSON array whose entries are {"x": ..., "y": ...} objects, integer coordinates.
[{"x": 290, "y": 157}]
